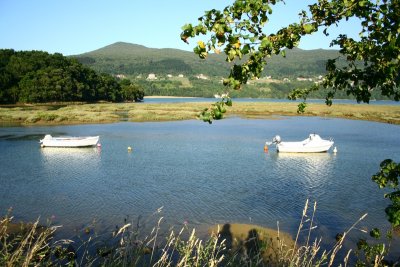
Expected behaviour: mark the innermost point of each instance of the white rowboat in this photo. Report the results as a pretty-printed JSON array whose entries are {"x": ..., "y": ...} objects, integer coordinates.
[
  {"x": 313, "y": 144},
  {"x": 67, "y": 141}
]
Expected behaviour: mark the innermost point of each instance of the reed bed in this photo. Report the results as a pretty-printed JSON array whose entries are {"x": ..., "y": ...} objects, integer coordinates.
[
  {"x": 35, "y": 246},
  {"x": 141, "y": 112}
]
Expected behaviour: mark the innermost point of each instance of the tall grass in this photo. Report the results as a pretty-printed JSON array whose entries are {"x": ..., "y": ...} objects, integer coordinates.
[
  {"x": 26, "y": 246},
  {"x": 32, "y": 245}
]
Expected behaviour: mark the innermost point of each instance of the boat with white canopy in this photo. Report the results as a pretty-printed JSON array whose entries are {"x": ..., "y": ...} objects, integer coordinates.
[{"x": 313, "y": 144}]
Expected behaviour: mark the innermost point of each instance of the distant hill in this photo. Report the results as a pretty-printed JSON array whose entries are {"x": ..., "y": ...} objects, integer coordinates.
[{"x": 132, "y": 59}]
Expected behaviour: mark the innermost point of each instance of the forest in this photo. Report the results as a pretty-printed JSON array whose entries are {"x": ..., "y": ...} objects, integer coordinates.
[{"x": 39, "y": 77}]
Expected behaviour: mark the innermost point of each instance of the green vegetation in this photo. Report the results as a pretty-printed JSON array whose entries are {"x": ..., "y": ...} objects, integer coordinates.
[
  {"x": 371, "y": 63},
  {"x": 388, "y": 177},
  {"x": 133, "y": 60},
  {"x": 177, "y": 72},
  {"x": 229, "y": 245},
  {"x": 38, "y": 77},
  {"x": 113, "y": 112}
]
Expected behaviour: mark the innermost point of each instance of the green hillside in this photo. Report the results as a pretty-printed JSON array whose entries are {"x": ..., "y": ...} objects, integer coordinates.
[
  {"x": 177, "y": 72},
  {"x": 132, "y": 59}
]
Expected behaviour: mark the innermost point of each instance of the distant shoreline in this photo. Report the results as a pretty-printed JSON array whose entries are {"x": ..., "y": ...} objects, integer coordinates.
[
  {"x": 165, "y": 96},
  {"x": 145, "y": 112}
]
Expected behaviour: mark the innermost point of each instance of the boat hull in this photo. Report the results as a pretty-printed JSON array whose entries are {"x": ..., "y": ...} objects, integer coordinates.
[
  {"x": 88, "y": 141},
  {"x": 313, "y": 144},
  {"x": 294, "y": 147}
]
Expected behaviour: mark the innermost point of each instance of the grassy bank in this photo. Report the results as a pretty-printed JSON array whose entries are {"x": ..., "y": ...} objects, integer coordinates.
[
  {"x": 228, "y": 245},
  {"x": 141, "y": 112}
]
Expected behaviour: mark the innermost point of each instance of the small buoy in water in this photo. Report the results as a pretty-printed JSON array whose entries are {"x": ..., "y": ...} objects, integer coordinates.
[
  {"x": 129, "y": 149},
  {"x": 334, "y": 150},
  {"x": 265, "y": 148},
  {"x": 98, "y": 145}
]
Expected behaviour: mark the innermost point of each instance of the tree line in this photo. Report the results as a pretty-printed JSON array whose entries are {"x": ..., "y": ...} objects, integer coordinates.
[{"x": 38, "y": 77}]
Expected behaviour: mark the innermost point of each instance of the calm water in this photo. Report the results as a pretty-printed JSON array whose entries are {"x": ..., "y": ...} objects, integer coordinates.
[{"x": 200, "y": 174}]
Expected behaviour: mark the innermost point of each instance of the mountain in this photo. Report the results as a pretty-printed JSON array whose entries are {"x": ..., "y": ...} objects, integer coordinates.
[{"x": 133, "y": 60}]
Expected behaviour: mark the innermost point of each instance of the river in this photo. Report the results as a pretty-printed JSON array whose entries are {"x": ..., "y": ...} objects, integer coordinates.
[{"x": 199, "y": 174}]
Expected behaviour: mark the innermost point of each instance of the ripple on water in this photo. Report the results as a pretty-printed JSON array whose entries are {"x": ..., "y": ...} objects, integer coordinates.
[{"x": 200, "y": 173}]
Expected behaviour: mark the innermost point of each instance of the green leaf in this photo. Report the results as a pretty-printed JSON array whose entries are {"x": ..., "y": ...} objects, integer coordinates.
[
  {"x": 246, "y": 49},
  {"x": 301, "y": 107},
  {"x": 375, "y": 233},
  {"x": 265, "y": 43},
  {"x": 308, "y": 28},
  {"x": 362, "y": 3},
  {"x": 231, "y": 55},
  {"x": 203, "y": 55}
]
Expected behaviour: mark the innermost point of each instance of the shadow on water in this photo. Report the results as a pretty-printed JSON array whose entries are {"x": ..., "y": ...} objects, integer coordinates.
[{"x": 27, "y": 137}]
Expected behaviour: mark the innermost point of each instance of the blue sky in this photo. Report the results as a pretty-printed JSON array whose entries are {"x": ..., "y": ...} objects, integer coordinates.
[{"x": 73, "y": 27}]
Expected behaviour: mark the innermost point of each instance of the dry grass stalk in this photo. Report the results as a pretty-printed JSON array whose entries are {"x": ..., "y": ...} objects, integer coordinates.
[
  {"x": 34, "y": 248},
  {"x": 28, "y": 244},
  {"x": 339, "y": 244}
]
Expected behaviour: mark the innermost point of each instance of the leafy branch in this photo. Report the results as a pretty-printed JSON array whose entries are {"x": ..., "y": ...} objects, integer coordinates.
[
  {"x": 216, "y": 111},
  {"x": 373, "y": 61}
]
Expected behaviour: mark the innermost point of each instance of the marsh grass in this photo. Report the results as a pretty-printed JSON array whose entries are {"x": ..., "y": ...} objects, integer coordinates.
[
  {"x": 32, "y": 245},
  {"x": 24, "y": 244},
  {"x": 140, "y": 112}
]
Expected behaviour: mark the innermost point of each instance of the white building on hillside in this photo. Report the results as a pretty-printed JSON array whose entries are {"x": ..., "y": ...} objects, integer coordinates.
[
  {"x": 151, "y": 76},
  {"x": 202, "y": 76}
]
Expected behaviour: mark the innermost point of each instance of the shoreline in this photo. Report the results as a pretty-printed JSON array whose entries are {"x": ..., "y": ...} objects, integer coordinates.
[
  {"x": 70, "y": 114},
  {"x": 166, "y": 96}
]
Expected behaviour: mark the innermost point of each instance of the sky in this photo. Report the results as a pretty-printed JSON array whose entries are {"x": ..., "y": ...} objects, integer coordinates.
[{"x": 73, "y": 27}]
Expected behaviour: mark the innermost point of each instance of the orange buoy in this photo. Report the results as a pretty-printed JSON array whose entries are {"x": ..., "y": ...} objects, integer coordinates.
[{"x": 265, "y": 148}]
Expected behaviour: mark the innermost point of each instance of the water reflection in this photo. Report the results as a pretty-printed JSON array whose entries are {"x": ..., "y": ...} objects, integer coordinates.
[
  {"x": 313, "y": 168},
  {"x": 71, "y": 157}
]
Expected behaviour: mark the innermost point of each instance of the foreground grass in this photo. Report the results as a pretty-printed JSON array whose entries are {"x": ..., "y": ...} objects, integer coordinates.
[
  {"x": 143, "y": 112},
  {"x": 229, "y": 245}
]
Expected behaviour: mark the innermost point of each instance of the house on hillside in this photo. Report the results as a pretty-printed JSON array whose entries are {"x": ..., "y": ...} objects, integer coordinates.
[
  {"x": 303, "y": 79},
  {"x": 151, "y": 76},
  {"x": 202, "y": 76},
  {"x": 120, "y": 76}
]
